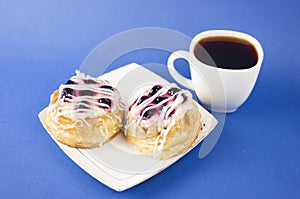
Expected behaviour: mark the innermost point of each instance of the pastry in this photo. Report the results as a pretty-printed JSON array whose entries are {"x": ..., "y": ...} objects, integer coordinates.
[
  {"x": 163, "y": 120},
  {"x": 85, "y": 112}
]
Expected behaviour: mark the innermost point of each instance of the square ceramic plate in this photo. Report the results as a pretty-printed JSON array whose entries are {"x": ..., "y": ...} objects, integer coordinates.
[{"x": 118, "y": 164}]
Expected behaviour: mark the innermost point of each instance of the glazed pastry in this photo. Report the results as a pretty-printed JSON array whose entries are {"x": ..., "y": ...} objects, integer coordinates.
[
  {"x": 163, "y": 121},
  {"x": 85, "y": 112}
]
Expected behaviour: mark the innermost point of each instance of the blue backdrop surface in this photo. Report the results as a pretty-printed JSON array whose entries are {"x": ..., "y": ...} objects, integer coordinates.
[{"x": 43, "y": 42}]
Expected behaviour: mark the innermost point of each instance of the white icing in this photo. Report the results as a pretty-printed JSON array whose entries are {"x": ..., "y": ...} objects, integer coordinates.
[{"x": 164, "y": 117}]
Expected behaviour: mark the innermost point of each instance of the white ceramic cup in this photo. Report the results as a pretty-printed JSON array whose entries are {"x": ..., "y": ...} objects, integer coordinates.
[{"x": 219, "y": 89}]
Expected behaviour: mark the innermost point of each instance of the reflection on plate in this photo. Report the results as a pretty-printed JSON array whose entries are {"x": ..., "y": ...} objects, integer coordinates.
[{"x": 118, "y": 164}]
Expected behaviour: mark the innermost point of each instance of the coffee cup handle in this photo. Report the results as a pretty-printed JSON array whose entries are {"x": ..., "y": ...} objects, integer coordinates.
[{"x": 174, "y": 73}]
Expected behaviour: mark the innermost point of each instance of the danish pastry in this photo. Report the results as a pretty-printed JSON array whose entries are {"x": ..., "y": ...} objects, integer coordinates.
[
  {"x": 85, "y": 112},
  {"x": 162, "y": 121}
]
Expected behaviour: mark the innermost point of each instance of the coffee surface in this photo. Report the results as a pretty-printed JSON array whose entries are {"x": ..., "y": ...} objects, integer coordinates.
[{"x": 226, "y": 52}]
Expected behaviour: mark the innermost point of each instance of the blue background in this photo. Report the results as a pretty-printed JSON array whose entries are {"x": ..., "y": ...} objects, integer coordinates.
[{"x": 43, "y": 42}]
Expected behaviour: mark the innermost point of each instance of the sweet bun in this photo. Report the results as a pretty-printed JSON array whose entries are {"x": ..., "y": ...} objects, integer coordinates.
[
  {"x": 162, "y": 121},
  {"x": 85, "y": 112}
]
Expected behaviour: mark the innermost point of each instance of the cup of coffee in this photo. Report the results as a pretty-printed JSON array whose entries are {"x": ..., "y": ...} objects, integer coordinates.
[{"x": 224, "y": 67}]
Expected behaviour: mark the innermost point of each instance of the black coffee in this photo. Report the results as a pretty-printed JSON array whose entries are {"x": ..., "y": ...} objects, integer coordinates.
[{"x": 226, "y": 52}]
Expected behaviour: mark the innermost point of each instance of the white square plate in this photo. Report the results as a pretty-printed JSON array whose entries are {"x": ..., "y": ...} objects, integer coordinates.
[{"x": 118, "y": 164}]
